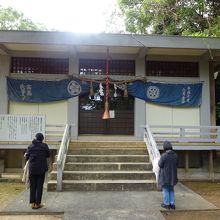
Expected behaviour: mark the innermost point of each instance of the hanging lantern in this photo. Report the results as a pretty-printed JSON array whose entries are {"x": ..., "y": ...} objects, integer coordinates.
[{"x": 106, "y": 112}]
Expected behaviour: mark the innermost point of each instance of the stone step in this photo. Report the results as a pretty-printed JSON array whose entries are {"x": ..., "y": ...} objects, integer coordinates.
[
  {"x": 98, "y": 166},
  {"x": 107, "y": 175},
  {"x": 107, "y": 158},
  {"x": 107, "y": 144},
  {"x": 108, "y": 151},
  {"x": 101, "y": 165},
  {"x": 104, "y": 185}
]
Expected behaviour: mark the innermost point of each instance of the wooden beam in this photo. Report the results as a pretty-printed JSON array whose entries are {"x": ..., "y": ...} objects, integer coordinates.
[
  {"x": 3, "y": 50},
  {"x": 211, "y": 55},
  {"x": 216, "y": 58},
  {"x": 206, "y": 56}
]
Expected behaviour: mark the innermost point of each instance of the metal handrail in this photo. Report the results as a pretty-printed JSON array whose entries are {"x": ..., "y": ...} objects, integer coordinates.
[
  {"x": 153, "y": 151},
  {"x": 61, "y": 158},
  {"x": 150, "y": 143}
]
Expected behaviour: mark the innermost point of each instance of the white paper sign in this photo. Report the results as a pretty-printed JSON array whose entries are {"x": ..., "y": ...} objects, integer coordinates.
[
  {"x": 112, "y": 114},
  {"x": 21, "y": 127}
]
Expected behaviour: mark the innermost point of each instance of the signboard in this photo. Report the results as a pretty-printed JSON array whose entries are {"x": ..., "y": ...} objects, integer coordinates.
[
  {"x": 112, "y": 113},
  {"x": 21, "y": 127}
]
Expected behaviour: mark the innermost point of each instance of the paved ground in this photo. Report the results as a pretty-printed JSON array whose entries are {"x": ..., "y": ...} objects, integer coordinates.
[{"x": 108, "y": 205}]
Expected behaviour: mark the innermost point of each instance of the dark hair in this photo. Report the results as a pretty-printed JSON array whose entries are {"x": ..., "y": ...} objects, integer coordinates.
[
  {"x": 39, "y": 136},
  {"x": 167, "y": 145}
]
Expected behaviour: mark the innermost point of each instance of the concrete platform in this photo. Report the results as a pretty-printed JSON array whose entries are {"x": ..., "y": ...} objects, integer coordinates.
[{"x": 129, "y": 205}]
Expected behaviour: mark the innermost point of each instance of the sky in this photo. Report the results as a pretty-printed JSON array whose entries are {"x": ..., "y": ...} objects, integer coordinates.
[{"x": 82, "y": 16}]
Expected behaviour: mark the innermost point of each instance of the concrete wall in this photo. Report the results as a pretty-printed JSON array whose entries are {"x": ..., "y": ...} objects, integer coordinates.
[
  {"x": 73, "y": 103},
  {"x": 205, "y": 107},
  {"x": 139, "y": 105}
]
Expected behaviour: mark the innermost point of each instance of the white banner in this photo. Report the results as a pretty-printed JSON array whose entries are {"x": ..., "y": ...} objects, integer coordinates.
[{"x": 21, "y": 127}]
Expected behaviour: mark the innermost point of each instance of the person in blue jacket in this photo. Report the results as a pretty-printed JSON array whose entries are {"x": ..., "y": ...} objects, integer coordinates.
[
  {"x": 168, "y": 164},
  {"x": 37, "y": 154}
]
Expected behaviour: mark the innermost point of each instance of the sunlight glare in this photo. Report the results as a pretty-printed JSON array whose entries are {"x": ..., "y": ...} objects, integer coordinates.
[{"x": 66, "y": 15}]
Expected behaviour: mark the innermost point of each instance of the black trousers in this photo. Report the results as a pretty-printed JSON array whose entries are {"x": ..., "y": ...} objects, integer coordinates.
[{"x": 36, "y": 188}]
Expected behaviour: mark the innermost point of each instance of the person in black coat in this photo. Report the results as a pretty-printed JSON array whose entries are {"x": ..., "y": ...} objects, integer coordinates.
[
  {"x": 37, "y": 154},
  {"x": 168, "y": 164}
]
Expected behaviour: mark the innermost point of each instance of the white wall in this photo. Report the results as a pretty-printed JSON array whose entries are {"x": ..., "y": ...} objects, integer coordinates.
[
  {"x": 56, "y": 112},
  {"x": 168, "y": 115},
  {"x": 204, "y": 109}
]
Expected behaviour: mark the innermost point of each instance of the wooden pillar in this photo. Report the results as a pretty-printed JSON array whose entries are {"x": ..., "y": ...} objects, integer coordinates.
[
  {"x": 186, "y": 162},
  {"x": 211, "y": 165}
]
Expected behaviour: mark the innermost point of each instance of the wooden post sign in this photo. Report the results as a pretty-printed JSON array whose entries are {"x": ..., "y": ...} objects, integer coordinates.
[{"x": 21, "y": 127}]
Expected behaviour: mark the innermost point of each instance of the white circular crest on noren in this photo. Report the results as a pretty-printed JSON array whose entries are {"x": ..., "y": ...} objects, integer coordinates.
[
  {"x": 74, "y": 88},
  {"x": 153, "y": 92}
]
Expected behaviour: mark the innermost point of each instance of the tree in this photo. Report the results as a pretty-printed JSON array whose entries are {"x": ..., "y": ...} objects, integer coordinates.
[
  {"x": 114, "y": 22},
  {"x": 10, "y": 19},
  {"x": 173, "y": 17}
]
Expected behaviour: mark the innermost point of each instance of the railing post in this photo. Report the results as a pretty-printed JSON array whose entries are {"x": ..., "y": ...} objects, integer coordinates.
[
  {"x": 182, "y": 132},
  {"x": 218, "y": 132},
  {"x": 62, "y": 157},
  {"x": 59, "y": 177}
]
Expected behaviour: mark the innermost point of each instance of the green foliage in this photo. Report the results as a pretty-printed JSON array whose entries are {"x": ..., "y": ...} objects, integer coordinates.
[
  {"x": 172, "y": 17},
  {"x": 10, "y": 19}
]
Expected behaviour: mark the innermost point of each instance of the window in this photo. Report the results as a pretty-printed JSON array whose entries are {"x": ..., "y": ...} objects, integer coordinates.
[
  {"x": 39, "y": 65},
  {"x": 172, "y": 69},
  {"x": 92, "y": 67},
  {"x": 98, "y": 67}
]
